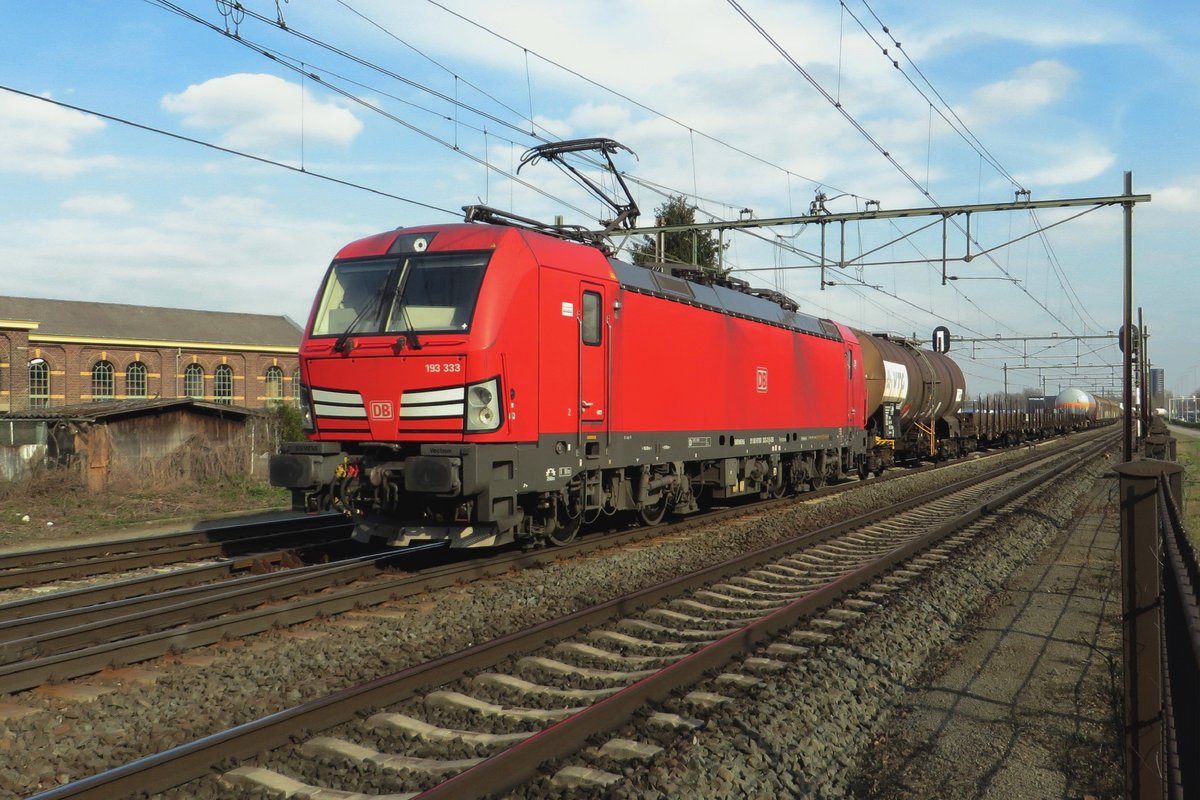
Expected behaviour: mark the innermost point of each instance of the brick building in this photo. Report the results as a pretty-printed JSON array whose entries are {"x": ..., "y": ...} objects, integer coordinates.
[{"x": 64, "y": 352}]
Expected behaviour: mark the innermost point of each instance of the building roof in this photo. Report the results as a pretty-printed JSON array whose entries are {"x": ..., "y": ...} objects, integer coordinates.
[
  {"x": 113, "y": 409},
  {"x": 85, "y": 320}
]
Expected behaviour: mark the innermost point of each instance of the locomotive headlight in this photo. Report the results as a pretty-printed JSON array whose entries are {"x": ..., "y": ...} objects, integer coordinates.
[
  {"x": 483, "y": 412},
  {"x": 306, "y": 416}
]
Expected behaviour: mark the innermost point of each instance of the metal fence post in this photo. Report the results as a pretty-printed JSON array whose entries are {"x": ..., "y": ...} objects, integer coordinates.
[{"x": 1141, "y": 614}]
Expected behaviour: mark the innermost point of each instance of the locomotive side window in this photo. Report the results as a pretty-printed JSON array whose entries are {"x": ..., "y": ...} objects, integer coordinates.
[{"x": 591, "y": 318}]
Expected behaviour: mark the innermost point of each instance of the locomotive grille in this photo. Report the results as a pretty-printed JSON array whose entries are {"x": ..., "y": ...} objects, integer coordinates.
[
  {"x": 330, "y": 403},
  {"x": 433, "y": 403}
]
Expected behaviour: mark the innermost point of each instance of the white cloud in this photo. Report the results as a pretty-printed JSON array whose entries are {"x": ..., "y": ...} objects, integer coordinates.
[
  {"x": 1031, "y": 89},
  {"x": 1071, "y": 164},
  {"x": 40, "y": 138},
  {"x": 600, "y": 118},
  {"x": 1185, "y": 197},
  {"x": 254, "y": 256},
  {"x": 557, "y": 128},
  {"x": 950, "y": 28},
  {"x": 98, "y": 204},
  {"x": 262, "y": 111}
]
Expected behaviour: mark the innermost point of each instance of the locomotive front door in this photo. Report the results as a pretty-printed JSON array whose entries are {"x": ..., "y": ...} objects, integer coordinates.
[{"x": 593, "y": 369}]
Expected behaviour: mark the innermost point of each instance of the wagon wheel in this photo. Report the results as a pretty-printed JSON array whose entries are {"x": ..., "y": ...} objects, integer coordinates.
[
  {"x": 651, "y": 515},
  {"x": 779, "y": 488}
]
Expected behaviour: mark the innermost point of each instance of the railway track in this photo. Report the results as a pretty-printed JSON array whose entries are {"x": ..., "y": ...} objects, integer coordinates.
[
  {"x": 64, "y": 635},
  {"x": 547, "y": 700},
  {"x": 266, "y": 542}
]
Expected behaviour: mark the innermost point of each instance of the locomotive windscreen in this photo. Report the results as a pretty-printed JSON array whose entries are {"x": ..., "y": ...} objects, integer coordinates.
[{"x": 423, "y": 293}]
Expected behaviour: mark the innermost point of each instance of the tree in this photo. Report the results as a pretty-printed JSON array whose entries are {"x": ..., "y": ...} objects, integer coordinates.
[
  {"x": 699, "y": 248},
  {"x": 285, "y": 424}
]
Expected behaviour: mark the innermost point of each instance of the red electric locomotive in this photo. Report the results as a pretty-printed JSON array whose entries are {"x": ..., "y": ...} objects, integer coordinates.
[{"x": 483, "y": 384}]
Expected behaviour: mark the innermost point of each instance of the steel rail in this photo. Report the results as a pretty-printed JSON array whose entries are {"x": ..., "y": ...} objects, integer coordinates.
[
  {"x": 83, "y": 627},
  {"x": 45, "y": 573},
  {"x": 140, "y": 586},
  {"x": 220, "y": 613},
  {"x": 118, "y": 590},
  {"x": 161, "y": 771},
  {"x": 79, "y": 552}
]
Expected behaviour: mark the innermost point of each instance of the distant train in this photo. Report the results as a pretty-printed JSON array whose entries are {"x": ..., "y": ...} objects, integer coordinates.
[
  {"x": 1078, "y": 403},
  {"x": 482, "y": 384}
]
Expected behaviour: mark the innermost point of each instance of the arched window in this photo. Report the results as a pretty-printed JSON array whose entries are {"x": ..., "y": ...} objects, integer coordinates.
[
  {"x": 274, "y": 383},
  {"x": 39, "y": 383},
  {"x": 223, "y": 384},
  {"x": 103, "y": 383},
  {"x": 193, "y": 381},
  {"x": 296, "y": 387},
  {"x": 135, "y": 380}
]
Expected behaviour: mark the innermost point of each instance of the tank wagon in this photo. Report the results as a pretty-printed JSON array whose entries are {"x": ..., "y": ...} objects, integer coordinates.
[
  {"x": 482, "y": 384},
  {"x": 1082, "y": 408},
  {"x": 1075, "y": 403},
  {"x": 915, "y": 396}
]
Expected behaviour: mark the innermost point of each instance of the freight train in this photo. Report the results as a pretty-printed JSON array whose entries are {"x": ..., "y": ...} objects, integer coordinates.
[
  {"x": 1077, "y": 404},
  {"x": 481, "y": 384}
]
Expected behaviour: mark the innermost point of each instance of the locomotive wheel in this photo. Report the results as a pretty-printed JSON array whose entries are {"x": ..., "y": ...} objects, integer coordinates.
[
  {"x": 564, "y": 530},
  {"x": 651, "y": 515}
]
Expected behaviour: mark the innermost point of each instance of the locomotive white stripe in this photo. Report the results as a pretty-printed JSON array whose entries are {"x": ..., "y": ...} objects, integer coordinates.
[
  {"x": 344, "y": 398},
  {"x": 416, "y": 412},
  {"x": 322, "y": 410},
  {"x": 432, "y": 396},
  {"x": 346, "y": 405}
]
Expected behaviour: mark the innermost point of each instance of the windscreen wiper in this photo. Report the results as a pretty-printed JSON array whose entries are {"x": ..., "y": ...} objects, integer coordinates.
[
  {"x": 409, "y": 334},
  {"x": 343, "y": 343}
]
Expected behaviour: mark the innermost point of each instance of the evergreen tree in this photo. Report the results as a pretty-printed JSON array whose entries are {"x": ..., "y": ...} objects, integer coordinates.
[{"x": 699, "y": 248}]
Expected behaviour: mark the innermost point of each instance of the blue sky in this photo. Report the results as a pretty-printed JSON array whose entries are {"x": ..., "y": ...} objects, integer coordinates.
[{"x": 1061, "y": 97}]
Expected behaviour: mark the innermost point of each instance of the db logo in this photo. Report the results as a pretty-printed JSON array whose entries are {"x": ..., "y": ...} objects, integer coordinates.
[
  {"x": 381, "y": 409},
  {"x": 761, "y": 379}
]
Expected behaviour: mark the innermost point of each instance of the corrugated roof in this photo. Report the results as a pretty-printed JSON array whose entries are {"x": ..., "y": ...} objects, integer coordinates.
[
  {"x": 91, "y": 412},
  {"x": 149, "y": 323}
]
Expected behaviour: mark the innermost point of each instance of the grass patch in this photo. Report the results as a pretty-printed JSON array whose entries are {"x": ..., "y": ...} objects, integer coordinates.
[
  {"x": 53, "y": 506},
  {"x": 1188, "y": 454}
]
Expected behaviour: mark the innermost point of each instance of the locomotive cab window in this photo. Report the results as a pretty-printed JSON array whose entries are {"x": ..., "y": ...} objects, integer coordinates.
[
  {"x": 591, "y": 327},
  {"x": 430, "y": 292},
  {"x": 437, "y": 293},
  {"x": 350, "y": 300}
]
